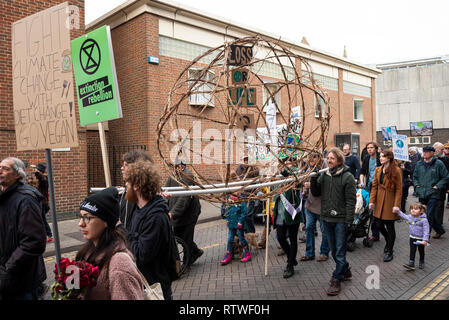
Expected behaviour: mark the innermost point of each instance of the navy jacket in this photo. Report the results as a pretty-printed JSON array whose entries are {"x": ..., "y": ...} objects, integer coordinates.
[{"x": 354, "y": 165}]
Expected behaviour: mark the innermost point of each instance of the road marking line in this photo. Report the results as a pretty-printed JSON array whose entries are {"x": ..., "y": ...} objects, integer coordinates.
[
  {"x": 431, "y": 286},
  {"x": 212, "y": 245}
]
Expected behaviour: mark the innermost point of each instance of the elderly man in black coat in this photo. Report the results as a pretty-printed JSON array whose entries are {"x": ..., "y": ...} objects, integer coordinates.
[{"x": 22, "y": 234}]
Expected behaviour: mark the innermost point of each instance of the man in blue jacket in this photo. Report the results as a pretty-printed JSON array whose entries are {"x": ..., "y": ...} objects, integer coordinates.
[
  {"x": 430, "y": 178},
  {"x": 352, "y": 162}
]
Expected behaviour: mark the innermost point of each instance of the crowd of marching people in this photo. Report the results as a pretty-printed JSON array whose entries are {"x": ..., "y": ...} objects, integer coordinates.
[{"x": 130, "y": 235}]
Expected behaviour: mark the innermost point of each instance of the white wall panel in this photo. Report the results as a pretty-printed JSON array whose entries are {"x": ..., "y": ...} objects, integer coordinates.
[{"x": 356, "y": 78}]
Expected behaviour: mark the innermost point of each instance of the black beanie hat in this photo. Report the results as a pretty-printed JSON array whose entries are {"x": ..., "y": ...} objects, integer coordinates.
[{"x": 104, "y": 205}]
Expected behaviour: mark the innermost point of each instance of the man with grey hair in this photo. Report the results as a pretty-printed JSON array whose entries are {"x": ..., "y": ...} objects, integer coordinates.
[{"x": 22, "y": 234}]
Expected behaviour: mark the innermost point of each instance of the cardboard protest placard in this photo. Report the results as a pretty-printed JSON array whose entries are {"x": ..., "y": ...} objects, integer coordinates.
[{"x": 43, "y": 96}]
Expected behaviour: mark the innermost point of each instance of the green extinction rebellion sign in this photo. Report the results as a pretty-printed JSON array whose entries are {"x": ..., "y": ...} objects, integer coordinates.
[{"x": 95, "y": 77}]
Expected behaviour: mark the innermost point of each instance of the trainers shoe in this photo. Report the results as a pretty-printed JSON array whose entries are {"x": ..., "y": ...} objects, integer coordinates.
[
  {"x": 281, "y": 252},
  {"x": 421, "y": 264},
  {"x": 334, "y": 288},
  {"x": 322, "y": 258},
  {"x": 388, "y": 257},
  {"x": 226, "y": 259},
  {"x": 410, "y": 265},
  {"x": 50, "y": 239},
  {"x": 246, "y": 257},
  {"x": 306, "y": 258},
  {"x": 302, "y": 239}
]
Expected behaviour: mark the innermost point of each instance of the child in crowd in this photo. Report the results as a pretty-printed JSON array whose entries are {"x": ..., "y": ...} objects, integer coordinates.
[
  {"x": 235, "y": 215},
  {"x": 419, "y": 233}
]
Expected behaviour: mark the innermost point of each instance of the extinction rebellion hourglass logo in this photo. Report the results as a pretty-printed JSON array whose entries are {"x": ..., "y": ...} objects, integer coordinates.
[{"x": 90, "y": 56}]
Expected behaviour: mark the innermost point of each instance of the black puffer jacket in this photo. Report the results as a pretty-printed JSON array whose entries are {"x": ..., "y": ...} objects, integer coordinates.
[
  {"x": 22, "y": 240},
  {"x": 149, "y": 237}
]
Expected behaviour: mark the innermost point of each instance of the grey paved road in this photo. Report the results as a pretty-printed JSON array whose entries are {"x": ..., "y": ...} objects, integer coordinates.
[{"x": 208, "y": 280}]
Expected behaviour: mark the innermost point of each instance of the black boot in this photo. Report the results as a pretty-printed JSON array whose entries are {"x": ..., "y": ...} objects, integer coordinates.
[{"x": 289, "y": 271}]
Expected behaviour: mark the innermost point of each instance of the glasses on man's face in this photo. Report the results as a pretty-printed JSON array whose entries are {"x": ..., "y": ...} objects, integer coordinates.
[{"x": 86, "y": 219}]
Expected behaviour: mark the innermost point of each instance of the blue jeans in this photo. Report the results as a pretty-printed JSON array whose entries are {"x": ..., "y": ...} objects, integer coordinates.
[
  {"x": 311, "y": 219},
  {"x": 231, "y": 234},
  {"x": 336, "y": 237}
]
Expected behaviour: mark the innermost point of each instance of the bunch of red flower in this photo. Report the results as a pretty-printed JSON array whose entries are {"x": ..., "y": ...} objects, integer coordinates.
[{"x": 73, "y": 279}]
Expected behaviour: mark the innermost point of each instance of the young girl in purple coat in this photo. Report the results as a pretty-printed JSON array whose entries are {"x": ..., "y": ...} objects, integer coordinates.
[{"x": 419, "y": 233}]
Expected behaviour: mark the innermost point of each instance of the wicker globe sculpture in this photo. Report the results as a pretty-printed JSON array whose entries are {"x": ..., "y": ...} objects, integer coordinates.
[{"x": 223, "y": 108}]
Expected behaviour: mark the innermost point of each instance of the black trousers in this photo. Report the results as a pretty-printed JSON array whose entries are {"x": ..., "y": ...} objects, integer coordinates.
[
  {"x": 290, "y": 247},
  {"x": 186, "y": 233},
  {"x": 413, "y": 248},
  {"x": 386, "y": 228}
]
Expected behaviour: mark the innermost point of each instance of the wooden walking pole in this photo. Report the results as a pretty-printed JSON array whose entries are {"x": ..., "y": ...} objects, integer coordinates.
[
  {"x": 104, "y": 154},
  {"x": 268, "y": 209}
]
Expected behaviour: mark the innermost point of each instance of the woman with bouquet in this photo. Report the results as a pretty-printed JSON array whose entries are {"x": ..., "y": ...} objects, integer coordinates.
[{"x": 107, "y": 248}]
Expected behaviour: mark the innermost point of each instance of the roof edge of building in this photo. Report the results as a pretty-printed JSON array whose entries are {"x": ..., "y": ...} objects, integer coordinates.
[{"x": 132, "y": 8}]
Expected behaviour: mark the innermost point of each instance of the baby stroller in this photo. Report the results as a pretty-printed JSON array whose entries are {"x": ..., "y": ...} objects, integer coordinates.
[{"x": 361, "y": 224}]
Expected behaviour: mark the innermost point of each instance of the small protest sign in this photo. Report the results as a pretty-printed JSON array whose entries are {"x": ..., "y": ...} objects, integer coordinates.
[
  {"x": 400, "y": 147},
  {"x": 95, "y": 77}
]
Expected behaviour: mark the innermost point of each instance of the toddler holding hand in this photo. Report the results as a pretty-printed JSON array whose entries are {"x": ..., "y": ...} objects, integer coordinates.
[{"x": 419, "y": 233}]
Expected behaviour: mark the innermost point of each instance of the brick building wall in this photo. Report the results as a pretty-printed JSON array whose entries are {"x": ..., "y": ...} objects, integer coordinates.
[{"x": 70, "y": 168}]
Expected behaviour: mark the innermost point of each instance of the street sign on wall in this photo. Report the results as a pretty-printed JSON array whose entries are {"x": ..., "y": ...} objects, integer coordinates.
[
  {"x": 42, "y": 81},
  {"x": 95, "y": 77}
]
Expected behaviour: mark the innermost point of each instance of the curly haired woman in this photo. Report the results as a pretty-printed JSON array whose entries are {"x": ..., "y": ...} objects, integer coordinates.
[
  {"x": 149, "y": 232},
  {"x": 385, "y": 199}
]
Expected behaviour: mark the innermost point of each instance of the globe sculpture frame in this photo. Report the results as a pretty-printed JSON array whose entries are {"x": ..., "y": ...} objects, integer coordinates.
[{"x": 218, "y": 80}]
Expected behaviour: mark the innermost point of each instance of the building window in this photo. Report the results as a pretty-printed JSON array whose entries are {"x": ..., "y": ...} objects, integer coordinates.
[
  {"x": 202, "y": 87},
  {"x": 319, "y": 103},
  {"x": 358, "y": 110},
  {"x": 271, "y": 91},
  {"x": 419, "y": 140}
]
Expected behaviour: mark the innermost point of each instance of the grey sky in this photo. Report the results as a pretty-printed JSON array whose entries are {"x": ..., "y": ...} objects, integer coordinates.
[{"x": 373, "y": 31}]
